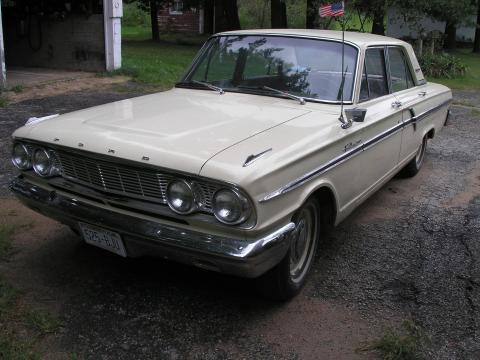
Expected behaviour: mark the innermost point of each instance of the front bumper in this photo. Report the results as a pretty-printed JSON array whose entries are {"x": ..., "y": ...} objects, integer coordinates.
[{"x": 144, "y": 237}]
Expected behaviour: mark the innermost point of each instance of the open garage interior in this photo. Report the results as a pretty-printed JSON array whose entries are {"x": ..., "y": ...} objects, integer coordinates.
[{"x": 75, "y": 35}]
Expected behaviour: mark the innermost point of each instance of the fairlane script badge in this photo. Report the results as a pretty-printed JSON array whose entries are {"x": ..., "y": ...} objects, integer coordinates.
[{"x": 351, "y": 145}]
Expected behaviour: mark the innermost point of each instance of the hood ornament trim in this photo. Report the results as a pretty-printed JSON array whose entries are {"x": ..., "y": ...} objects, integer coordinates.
[{"x": 252, "y": 158}]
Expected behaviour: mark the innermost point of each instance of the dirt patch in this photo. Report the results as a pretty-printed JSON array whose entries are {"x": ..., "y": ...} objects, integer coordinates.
[
  {"x": 316, "y": 329},
  {"x": 90, "y": 82},
  {"x": 470, "y": 189}
]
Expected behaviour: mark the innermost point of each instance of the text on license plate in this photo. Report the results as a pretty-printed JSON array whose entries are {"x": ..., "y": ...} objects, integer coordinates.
[{"x": 103, "y": 238}]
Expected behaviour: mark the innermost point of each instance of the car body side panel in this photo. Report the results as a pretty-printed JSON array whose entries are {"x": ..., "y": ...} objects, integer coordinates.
[{"x": 414, "y": 103}]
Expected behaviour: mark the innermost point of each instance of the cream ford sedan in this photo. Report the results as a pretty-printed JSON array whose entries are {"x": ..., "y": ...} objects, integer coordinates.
[{"x": 264, "y": 142}]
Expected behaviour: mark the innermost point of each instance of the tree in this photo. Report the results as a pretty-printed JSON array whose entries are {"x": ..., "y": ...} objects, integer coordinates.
[
  {"x": 476, "y": 42},
  {"x": 375, "y": 10},
  {"x": 154, "y": 19},
  {"x": 278, "y": 14},
  {"x": 453, "y": 13},
  {"x": 311, "y": 14},
  {"x": 226, "y": 15}
]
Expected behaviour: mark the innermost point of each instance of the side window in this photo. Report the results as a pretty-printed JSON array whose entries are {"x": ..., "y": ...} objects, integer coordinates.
[
  {"x": 364, "y": 87},
  {"x": 374, "y": 77},
  {"x": 400, "y": 75}
]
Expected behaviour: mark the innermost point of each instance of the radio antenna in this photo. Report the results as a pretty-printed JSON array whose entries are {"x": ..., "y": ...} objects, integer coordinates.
[{"x": 345, "y": 124}]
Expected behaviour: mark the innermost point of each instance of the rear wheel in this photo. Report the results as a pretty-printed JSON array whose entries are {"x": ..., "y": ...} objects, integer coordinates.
[
  {"x": 286, "y": 279},
  {"x": 413, "y": 167}
]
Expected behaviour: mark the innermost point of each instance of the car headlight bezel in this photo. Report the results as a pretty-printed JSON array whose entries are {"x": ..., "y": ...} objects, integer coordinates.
[
  {"x": 171, "y": 202},
  {"x": 51, "y": 168},
  {"x": 245, "y": 207},
  {"x": 28, "y": 157}
]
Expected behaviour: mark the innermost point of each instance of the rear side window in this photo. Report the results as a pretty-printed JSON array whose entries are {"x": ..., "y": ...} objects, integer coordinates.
[
  {"x": 374, "y": 77},
  {"x": 400, "y": 75}
]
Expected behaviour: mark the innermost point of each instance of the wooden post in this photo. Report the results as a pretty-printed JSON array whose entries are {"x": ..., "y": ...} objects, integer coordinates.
[
  {"x": 112, "y": 13},
  {"x": 3, "y": 72}
]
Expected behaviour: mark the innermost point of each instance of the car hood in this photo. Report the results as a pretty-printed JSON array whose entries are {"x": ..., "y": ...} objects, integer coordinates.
[{"x": 179, "y": 129}]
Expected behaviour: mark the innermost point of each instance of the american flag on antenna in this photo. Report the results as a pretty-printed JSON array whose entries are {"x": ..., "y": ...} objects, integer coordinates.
[{"x": 333, "y": 9}]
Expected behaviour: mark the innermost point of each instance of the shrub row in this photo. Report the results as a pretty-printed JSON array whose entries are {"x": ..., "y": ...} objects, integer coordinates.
[{"x": 442, "y": 65}]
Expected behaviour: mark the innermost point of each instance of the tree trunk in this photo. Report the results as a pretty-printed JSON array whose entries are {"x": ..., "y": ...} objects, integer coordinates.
[
  {"x": 278, "y": 14},
  {"x": 154, "y": 20},
  {"x": 231, "y": 15},
  {"x": 311, "y": 15},
  {"x": 450, "y": 36},
  {"x": 377, "y": 26},
  {"x": 476, "y": 42},
  {"x": 220, "y": 23},
  {"x": 208, "y": 16}
]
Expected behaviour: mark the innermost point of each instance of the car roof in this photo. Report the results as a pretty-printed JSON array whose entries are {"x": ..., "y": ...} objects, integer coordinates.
[{"x": 358, "y": 38}]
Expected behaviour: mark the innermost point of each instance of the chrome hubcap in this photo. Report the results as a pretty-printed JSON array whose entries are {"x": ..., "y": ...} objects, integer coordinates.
[{"x": 302, "y": 243}]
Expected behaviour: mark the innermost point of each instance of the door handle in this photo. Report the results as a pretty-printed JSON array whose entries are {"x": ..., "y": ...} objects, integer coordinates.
[
  {"x": 396, "y": 104},
  {"x": 422, "y": 93}
]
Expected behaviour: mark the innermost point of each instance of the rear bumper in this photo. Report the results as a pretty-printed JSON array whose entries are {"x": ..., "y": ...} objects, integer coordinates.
[{"x": 143, "y": 237}]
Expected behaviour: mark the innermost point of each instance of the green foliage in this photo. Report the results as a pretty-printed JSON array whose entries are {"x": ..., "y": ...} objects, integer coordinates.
[
  {"x": 8, "y": 296},
  {"x": 6, "y": 234},
  {"x": 135, "y": 15},
  {"x": 11, "y": 346},
  {"x": 471, "y": 80},
  {"x": 254, "y": 14},
  {"x": 403, "y": 345},
  {"x": 442, "y": 66},
  {"x": 42, "y": 322},
  {"x": 17, "y": 89},
  {"x": 3, "y": 101}
]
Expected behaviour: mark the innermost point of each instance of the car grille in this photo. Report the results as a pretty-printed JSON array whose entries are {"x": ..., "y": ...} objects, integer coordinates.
[{"x": 125, "y": 180}]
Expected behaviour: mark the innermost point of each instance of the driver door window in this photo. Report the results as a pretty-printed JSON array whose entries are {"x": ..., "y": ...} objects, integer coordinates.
[{"x": 374, "y": 78}]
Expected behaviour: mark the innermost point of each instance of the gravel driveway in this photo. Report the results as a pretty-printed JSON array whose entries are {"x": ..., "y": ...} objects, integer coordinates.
[{"x": 412, "y": 251}]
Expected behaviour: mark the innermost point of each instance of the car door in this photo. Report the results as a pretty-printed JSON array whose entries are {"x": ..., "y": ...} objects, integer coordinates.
[
  {"x": 409, "y": 99},
  {"x": 381, "y": 134}
]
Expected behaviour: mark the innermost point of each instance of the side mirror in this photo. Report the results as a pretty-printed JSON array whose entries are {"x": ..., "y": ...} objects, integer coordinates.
[{"x": 357, "y": 115}]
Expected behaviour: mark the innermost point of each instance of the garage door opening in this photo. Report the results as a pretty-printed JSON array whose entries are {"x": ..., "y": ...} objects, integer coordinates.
[{"x": 82, "y": 35}]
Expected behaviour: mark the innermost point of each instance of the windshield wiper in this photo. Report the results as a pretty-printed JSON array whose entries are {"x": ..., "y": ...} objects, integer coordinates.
[
  {"x": 287, "y": 94},
  {"x": 280, "y": 92},
  {"x": 210, "y": 86}
]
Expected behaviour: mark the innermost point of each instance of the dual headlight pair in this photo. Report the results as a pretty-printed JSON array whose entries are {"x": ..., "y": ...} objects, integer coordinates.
[
  {"x": 41, "y": 160},
  {"x": 229, "y": 206}
]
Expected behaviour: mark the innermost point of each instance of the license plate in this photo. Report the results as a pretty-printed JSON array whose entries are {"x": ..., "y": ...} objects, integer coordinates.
[{"x": 103, "y": 238}]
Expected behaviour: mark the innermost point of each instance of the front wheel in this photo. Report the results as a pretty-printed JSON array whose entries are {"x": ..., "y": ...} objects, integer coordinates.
[
  {"x": 286, "y": 279},
  {"x": 413, "y": 167}
]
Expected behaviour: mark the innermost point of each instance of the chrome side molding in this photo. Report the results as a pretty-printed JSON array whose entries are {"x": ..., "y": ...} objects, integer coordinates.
[{"x": 349, "y": 154}]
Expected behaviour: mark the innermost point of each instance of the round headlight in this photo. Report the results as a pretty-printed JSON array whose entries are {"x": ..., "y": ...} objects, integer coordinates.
[
  {"x": 21, "y": 157},
  {"x": 42, "y": 162},
  {"x": 181, "y": 197},
  {"x": 230, "y": 207}
]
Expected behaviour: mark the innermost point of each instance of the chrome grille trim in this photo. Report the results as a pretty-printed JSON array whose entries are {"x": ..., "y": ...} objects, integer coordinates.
[{"x": 125, "y": 180}]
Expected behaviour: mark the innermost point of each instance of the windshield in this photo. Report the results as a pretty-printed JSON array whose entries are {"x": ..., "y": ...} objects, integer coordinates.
[{"x": 308, "y": 68}]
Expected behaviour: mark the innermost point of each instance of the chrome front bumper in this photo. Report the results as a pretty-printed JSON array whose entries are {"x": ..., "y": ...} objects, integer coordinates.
[{"x": 143, "y": 237}]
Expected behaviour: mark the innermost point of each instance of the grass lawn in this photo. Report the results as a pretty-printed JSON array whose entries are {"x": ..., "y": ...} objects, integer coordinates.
[
  {"x": 158, "y": 63},
  {"x": 471, "y": 80}
]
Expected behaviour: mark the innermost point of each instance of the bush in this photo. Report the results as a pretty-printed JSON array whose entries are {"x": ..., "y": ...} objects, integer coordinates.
[
  {"x": 442, "y": 66},
  {"x": 134, "y": 15}
]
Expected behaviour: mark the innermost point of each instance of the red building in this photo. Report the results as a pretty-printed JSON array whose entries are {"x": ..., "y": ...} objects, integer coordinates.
[{"x": 175, "y": 17}]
